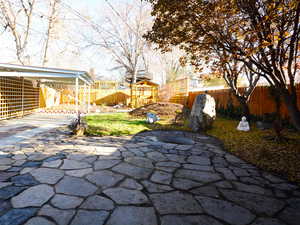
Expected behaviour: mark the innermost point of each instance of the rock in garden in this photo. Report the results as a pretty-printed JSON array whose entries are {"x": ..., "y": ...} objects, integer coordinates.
[{"x": 203, "y": 113}]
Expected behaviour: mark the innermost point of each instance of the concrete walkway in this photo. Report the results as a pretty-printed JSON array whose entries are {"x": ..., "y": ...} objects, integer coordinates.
[
  {"x": 16, "y": 130},
  {"x": 52, "y": 179}
]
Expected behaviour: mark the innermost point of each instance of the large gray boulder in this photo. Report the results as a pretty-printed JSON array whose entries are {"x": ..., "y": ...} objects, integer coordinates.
[{"x": 203, "y": 113}]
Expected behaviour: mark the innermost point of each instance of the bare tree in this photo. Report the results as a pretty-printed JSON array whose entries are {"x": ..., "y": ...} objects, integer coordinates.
[
  {"x": 53, "y": 16},
  {"x": 11, "y": 15}
]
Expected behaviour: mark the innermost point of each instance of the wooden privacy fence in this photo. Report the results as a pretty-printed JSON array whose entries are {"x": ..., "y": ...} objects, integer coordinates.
[
  {"x": 260, "y": 101},
  {"x": 175, "y": 91}
]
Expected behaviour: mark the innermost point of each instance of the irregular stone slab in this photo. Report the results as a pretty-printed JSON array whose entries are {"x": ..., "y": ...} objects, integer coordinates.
[
  {"x": 65, "y": 201},
  {"x": 177, "y": 140},
  {"x": 175, "y": 203},
  {"x": 227, "y": 211},
  {"x": 10, "y": 191},
  {"x": 73, "y": 164},
  {"x": 156, "y": 156},
  {"x": 240, "y": 172},
  {"x": 4, "y": 206},
  {"x": 233, "y": 159},
  {"x": 252, "y": 188},
  {"x": 4, "y": 176},
  {"x": 4, "y": 184},
  {"x": 291, "y": 214},
  {"x": 14, "y": 169},
  {"x": 227, "y": 173},
  {"x": 32, "y": 164},
  {"x": 105, "y": 164},
  {"x": 131, "y": 215},
  {"x": 39, "y": 221},
  {"x": 131, "y": 184},
  {"x": 161, "y": 177},
  {"x": 3, "y": 168},
  {"x": 223, "y": 184},
  {"x": 62, "y": 217},
  {"x": 188, "y": 220},
  {"x": 268, "y": 221},
  {"x": 97, "y": 202},
  {"x": 76, "y": 156},
  {"x": 37, "y": 157},
  {"x": 104, "y": 178},
  {"x": 5, "y": 161},
  {"x": 124, "y": 196},
  {"x": 26, "y": 170},
  {"x": 156, "y": 188},
  {"x": 168, "y": 164},
  {"x": 133, "y": 171},
  {"x": 75, "y": 186},
  {"x": 33, "y": 196},
  {"x": 19, "y": 162},
  {"x": 183, "y": 147},
  {"x": 90, "y": 217},
  {"x": 200, "y": 160},
  {"x": 184, "y": 184},
  {"x": 19, "y": 156},
  {"x": 140, "y": 162},
  {"x": 17, "y": 216},
  {"x": 47, "y": 176},
  {"x": 79, "y": 173},
  {"x": 258, "y": 203},
  {"x": 24, "y": 180},
  {"x": 176, "y": 158},
  {"x": 103, "y": 150},
  {"x": 197, "y": 175},
  {"x": 57, "y": 157},
  {"x": 166, "y": 169},
  {"x": 52, "y": 164},
  {"x": 198, "y": 167}
]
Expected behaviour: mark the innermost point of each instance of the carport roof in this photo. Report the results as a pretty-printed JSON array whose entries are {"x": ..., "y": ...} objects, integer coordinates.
[{"x": 45, "y": 74}]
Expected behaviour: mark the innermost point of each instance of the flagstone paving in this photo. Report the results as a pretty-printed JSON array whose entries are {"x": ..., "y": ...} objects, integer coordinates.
[{"x": 56, "y": 179}]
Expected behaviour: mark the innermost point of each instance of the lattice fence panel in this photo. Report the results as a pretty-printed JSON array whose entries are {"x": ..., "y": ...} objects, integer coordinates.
[{"x": 18, "y": 97}]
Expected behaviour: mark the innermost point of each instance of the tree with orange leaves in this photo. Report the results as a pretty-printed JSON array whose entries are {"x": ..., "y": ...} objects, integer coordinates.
[{"x": 263, "y": 35}]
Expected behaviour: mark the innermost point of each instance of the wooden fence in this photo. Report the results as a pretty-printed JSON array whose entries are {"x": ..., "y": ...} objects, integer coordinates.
[
  {"x": 176, "y": 91},
  {"x": 260, "y": 101}
]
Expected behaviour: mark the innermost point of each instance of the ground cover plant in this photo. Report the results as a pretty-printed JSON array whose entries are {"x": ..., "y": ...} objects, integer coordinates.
[{"x": 282, "y": 158}]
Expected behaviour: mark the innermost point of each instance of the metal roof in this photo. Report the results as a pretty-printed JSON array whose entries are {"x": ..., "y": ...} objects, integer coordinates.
[{"x": 45, "y": 74}]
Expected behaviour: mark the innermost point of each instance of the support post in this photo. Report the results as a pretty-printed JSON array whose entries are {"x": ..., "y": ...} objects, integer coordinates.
[
  {"x": 89, "y": 99},
  {"x": 84, "y": 96},
  {"x": 77, "y": 95},
  {"x": 22, "y": 96}
]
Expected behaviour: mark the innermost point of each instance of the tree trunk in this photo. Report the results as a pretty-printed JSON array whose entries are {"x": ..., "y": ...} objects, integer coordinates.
[
  {"x": 294, "y": 113},
  {"x": 245, "y": 107}
]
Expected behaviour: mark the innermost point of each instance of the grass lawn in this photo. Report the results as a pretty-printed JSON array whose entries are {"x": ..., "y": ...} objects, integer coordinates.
[
  {"x": 282, "y": 158},
  {"x": 118, "y": 124}
]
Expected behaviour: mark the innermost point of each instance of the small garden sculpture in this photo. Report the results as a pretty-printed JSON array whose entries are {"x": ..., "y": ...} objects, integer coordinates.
[
  {"x": 152, "y": 118},
  {"x": 243, "y": 125}
]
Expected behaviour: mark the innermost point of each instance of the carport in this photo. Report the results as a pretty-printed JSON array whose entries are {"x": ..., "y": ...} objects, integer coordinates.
[{"x": 20, "y": 86}]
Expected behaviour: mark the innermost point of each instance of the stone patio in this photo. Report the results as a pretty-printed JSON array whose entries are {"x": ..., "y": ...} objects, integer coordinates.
[{"x": 54, "y": 179}]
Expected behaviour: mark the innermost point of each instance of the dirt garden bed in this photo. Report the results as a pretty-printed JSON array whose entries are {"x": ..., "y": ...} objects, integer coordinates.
[{"x": 163, "y": 109}]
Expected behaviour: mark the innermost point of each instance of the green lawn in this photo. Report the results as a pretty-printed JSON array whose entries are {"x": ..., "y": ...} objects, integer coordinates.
[{"x": 118, "y": 124}]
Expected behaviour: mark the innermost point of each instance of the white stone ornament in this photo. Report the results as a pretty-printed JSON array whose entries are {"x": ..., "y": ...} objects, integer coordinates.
[
  {"x": 243, "y": 125},
  {"x": 152, "y": 118}
]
